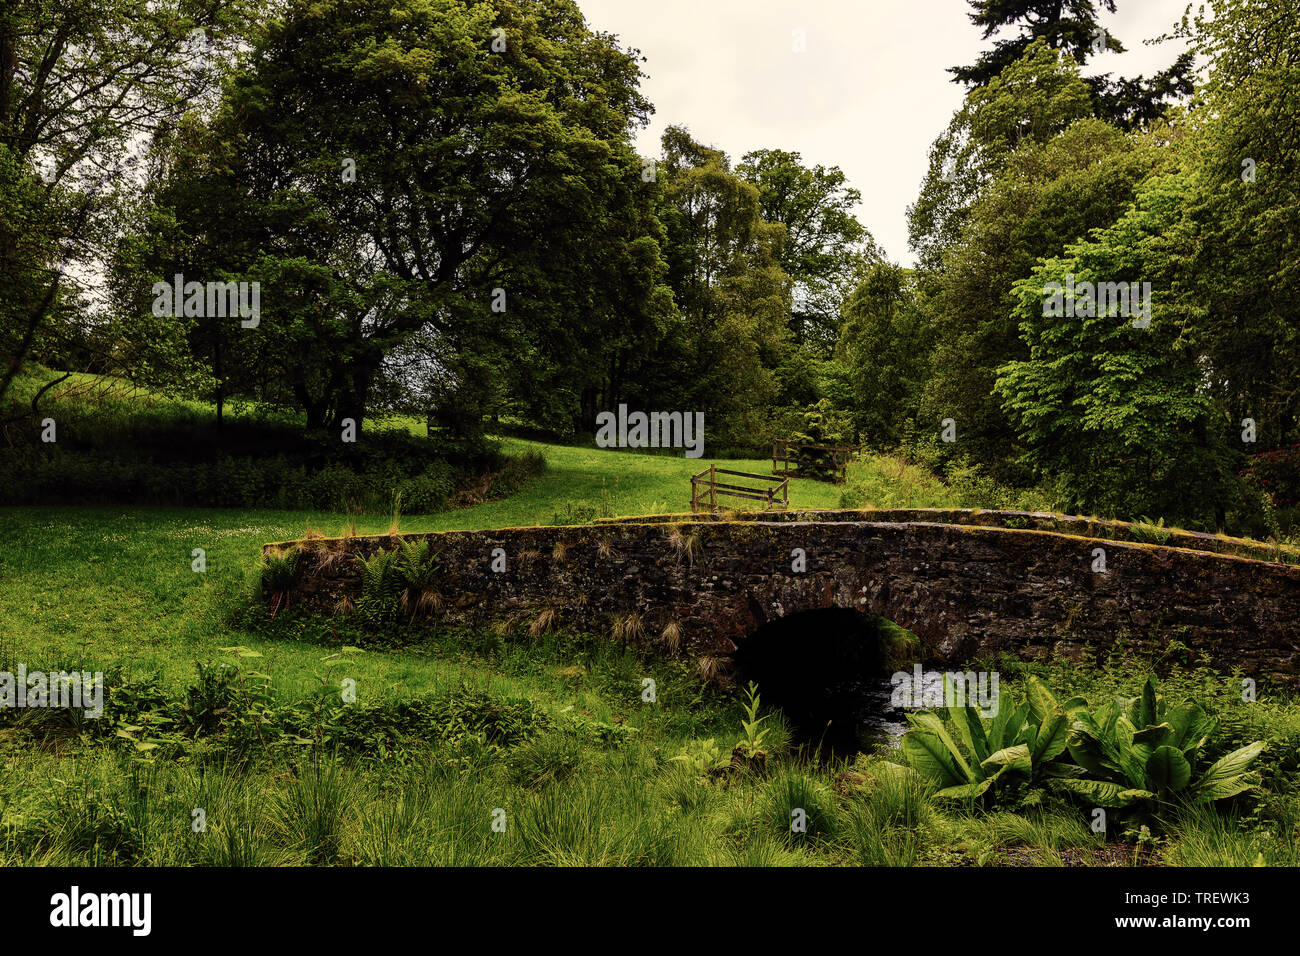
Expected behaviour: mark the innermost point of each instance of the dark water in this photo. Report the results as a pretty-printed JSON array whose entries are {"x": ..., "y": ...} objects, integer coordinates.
[
  {"x": 879, "y": 723},
  {"x": 857, "y": 718},
  {"x": 827, "y": 671}
]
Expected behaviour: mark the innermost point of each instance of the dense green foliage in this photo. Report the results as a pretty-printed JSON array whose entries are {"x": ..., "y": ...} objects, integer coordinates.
[
  {"x": 78, "y": 82},
  {"x": 1156, "y": 409},
  {"x": 399, "y": 222},
  {"x": 454, "y": 239},
  {"x": 824, "y": 244},
  {"x": 118, "y": 444},
  {"x": 554, "y": 734},
  {"x": 450, "y": 724}
]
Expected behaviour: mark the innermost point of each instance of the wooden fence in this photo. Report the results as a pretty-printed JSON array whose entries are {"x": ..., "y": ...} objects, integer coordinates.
[
  {"x": 706, "y": 490},
  {"x": 841, "y": 455}
]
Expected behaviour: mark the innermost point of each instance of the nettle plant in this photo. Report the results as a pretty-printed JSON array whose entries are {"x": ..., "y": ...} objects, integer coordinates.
[
  {"x": 1142, "y": 755},
  {"x": 707, "y": 758}
]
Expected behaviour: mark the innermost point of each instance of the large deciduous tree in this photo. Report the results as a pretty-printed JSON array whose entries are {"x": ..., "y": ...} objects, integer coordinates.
[
  {"x": 456, "y": 173},
  {"x": 1154, "y": 420},
  {"x": 1242, "y": 221},
  {"x": 882, "y": 356},
  {"x": 1029, "y": 172},
  {"x": 1032, "y": 99},
  {"x": 1118, "y": 413},
  {"x": 1048, "y": 195}
]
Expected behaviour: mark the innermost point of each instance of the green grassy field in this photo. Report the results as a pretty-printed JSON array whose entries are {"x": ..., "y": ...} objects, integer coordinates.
[{"x": 114, "y": 586}]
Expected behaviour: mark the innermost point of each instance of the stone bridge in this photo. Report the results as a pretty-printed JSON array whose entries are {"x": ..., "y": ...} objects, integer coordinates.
[{"x": 967, "y": 583}]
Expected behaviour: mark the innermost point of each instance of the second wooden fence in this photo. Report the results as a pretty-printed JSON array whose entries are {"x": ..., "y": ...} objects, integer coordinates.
[
  {"x": 840, "y": 456},
  {"x": 706, "y": 489}
]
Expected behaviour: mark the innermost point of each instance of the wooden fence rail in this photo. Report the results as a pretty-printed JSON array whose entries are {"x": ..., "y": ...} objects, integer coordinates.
[{"x": 706, "y": 489}]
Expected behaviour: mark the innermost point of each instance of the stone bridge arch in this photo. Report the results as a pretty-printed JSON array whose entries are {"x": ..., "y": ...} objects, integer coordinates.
[{"x": 968, "y": 584}]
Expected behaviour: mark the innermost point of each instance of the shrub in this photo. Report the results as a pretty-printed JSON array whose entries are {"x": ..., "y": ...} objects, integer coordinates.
[
  {"x": 821, "y": 426},
  {"x": 1278, "y": 473},
  {"x": 249, "y": 465},
  {"x": 235, "y": 715}
]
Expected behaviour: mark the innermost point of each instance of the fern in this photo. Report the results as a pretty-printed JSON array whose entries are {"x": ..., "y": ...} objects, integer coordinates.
[
  {"x": 419, "y": 571},
  {"x": 279, "y": 574},
  {"x": 1144, "y": 529},
  {"x": 381, "y": 587},
  {"x": 281, "y": 571}
]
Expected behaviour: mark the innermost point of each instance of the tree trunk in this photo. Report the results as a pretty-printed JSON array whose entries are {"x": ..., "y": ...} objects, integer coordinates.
[
  {"x": 354, "y": 394},
  {"x": 315, "y": 410},
  {"x": 217, "y": 370}
]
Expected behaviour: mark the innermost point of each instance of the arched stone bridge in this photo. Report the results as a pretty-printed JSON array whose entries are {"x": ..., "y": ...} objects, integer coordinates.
[{"x": 968, "y": 583}]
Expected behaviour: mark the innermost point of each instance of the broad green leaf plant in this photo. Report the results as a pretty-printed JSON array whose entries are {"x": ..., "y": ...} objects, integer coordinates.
[{"x": 1140, "y": 754}]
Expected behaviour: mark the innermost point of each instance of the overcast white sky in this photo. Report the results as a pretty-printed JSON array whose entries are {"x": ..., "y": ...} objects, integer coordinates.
[{"x": 869, "y": 95}]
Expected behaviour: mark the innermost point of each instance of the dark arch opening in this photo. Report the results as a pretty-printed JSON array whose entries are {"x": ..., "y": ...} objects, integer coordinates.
[{"x": 828, "y": 670}]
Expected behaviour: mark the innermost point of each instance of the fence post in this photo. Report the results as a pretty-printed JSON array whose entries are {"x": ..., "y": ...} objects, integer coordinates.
[{"x": 713, "y": 488}]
